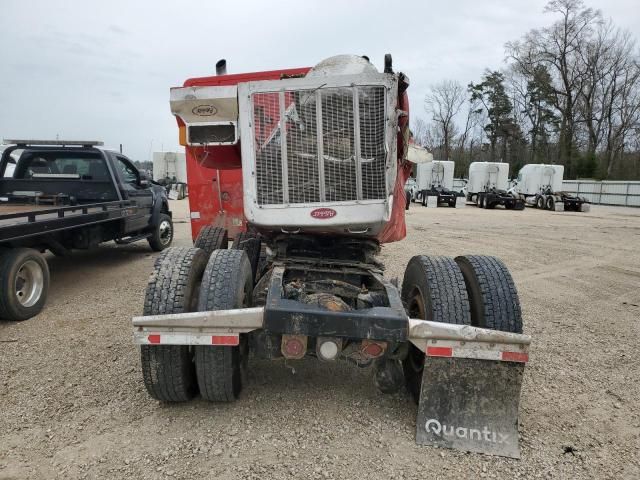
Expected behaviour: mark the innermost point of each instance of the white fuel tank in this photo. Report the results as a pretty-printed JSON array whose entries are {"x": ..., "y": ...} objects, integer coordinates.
[
  {"x": 438, "y": 173},
  {"x": 484, "y": 176}
]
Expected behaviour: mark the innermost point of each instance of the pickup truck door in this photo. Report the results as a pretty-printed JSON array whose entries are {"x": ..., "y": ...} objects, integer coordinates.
[{"x": 130, "y": 184}]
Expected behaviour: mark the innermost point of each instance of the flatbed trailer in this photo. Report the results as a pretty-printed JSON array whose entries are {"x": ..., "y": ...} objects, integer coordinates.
[{"x": 19, "y": 222}]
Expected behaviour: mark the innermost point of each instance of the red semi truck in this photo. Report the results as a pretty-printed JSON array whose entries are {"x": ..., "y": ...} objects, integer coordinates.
[{"x": 304, "y": 169}]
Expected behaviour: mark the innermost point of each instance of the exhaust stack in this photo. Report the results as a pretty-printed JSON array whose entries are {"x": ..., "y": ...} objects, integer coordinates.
[{"x": 221, "y": 67}]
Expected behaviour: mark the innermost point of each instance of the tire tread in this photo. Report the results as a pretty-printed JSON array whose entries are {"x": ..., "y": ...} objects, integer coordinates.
[
  {"x": 500, "y": 303},
  {"x": 168, "y": 370}
]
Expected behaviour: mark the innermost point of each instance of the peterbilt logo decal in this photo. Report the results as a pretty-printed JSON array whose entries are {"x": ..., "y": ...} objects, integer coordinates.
[
  {"x": 204, "y": 110},
  {"x": 323, "y": 213}
]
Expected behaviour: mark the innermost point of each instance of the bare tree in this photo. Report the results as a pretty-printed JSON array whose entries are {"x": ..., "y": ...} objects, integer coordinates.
[
  {"x": 609, "y": 98},
  {"x": 557, "y": 48},
  {"x": 419, "y": 130},
  {"x": 444, "y": 102}
]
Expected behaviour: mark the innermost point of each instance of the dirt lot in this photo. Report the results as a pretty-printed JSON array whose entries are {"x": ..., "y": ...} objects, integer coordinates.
[{"x": 72, "y": 402}]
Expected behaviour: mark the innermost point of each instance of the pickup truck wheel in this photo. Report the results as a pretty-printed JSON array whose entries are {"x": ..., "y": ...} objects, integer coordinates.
[
  {"x": 433, "y": 289},
  {"x": 492, "y": 293},
  {"x": 251, "y": 244},
  {"x": 24, "y": 283},
  {"x": 227, "y": 283},
  {"x": 162, "y": 234},
  {"x": 211, "y": 238},
  {"x": 168, "y": 370}
]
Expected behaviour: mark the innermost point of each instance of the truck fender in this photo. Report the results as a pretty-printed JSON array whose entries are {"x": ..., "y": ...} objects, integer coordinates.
[{"x": 160, "y": 205}]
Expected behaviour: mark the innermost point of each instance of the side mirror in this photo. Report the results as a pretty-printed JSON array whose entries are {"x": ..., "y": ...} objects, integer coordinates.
[{"x": 144, "y": 181}]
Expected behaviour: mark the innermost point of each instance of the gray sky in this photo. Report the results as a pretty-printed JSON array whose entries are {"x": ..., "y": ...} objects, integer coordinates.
[{"x": 102, "y": 70}]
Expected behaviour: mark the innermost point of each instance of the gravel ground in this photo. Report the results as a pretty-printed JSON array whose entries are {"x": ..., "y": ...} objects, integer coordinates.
[{"x": 73, "y": 404}]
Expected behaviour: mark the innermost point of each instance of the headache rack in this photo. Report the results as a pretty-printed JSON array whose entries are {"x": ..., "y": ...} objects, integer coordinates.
[
  {"x": 54, "y": 143},
  {"x": 309, "y": 141}
]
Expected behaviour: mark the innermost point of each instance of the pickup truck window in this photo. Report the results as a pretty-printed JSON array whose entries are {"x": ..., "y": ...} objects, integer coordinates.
[
  {"x": 129, "y": 173},
  {"x": 60, "y": 165}
]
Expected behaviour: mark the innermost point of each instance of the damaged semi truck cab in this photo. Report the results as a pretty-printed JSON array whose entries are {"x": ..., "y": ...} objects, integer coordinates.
[{"x": 304, "y": 171}]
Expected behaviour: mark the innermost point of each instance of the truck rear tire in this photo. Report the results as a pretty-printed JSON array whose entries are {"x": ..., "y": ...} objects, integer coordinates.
[
  {"x": 24, "y": 283},
  {"x": 481, "y": 200},
  {"x": 251, "y": 244},
  {"x": 433, "y": 289},
  {"x": 168, "y": 370},
  {"x": 227, "y": 283},
  {"x": 211, "y": 238},
  {"x": 550, "y": 204},
  {"x": 540, "y": 202},
  {"x": 162, "y": 233},
  {"x": 493, "y": 296}
]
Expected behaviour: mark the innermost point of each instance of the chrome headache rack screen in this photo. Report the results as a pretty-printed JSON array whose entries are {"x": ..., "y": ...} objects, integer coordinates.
[{"x": 324, "y": 144}]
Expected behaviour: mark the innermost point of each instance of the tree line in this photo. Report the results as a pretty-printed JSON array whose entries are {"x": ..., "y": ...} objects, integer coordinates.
[{"x": 569, "y": 94}]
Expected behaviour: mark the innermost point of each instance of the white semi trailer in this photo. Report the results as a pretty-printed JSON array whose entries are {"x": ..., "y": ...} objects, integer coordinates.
[
  {"x": 435, "y": 184},
  {"x": 540, "y": 186},
  {"x": 170, "y": 170},
  {"x": 488, "y": 186}
]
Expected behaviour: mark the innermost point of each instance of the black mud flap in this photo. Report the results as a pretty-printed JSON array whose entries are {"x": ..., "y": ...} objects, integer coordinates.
[{"x": 470, "y": 405}]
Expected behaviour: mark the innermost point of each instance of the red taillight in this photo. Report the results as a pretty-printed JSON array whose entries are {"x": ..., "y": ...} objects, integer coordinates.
[
  {"x": 154, "y": 338},
  {"x": 294, "y": 346},
  {"x": 372, "y": 349}
]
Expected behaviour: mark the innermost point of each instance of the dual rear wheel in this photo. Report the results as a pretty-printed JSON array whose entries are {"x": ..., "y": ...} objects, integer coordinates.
[
  {"x": 468, "y": 290},
  {"x": 184, "y": 280}
]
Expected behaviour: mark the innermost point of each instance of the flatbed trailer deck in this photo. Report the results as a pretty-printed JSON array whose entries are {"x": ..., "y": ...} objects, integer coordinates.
[{"x": 21, "y": 221}]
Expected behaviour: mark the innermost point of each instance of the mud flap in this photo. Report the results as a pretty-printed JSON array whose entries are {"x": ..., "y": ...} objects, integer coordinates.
[{"x": 470, "y": 405}]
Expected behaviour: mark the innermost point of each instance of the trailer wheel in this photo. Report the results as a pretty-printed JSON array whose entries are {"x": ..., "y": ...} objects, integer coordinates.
[
  {"x": 168, "y": 370},
  {"x": 251, "y": 244},
  {"x": 227, "y": 283},
  {"x": 550, "y": 203},
  {"x": 492, "y": 293},
  {"x": 24, "y": 283},
  {"x": 162, "y": 235},
  {"x": 433, "y": 289},
  {"x": 211, "y": 238},
  {"x": 540, "y": 202},
  {"x": 481, "y": 200}
]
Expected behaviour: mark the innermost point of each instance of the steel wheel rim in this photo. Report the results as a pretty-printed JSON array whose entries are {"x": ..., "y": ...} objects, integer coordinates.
[
  {"x": 29, "y": 283},
  {"x": 165, "y": 232},
  {"x": 417, "y": 309}
]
